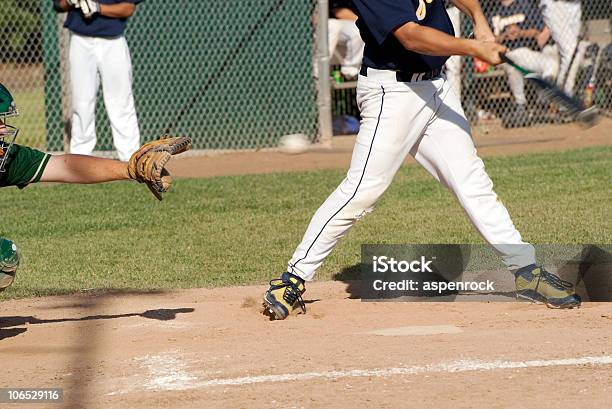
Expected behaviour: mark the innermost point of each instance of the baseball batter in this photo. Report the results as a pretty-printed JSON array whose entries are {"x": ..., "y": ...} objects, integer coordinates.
[
  {"x": 408, "y": 108},
  {"x": 99, "y": 53},
  {"x": 21, "y": 166}
]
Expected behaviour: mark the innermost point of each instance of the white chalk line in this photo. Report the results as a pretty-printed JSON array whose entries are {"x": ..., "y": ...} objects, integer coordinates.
[
  {"x": 188, "y": 382},
  {"x": 451, "y": 367},
  {"x": 167, "y": 372}
]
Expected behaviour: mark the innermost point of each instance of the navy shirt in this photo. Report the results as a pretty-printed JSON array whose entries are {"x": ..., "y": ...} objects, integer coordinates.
[
  {"x": 525, "y": 14},
  {"x": 378, "y": 19},
  {"x": 98, "y": 25}
]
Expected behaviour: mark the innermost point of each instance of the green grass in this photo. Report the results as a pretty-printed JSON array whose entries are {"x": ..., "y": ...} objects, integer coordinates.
[
  {"x": 31, "y": 121},
  {"x": 241, "y": 230}
]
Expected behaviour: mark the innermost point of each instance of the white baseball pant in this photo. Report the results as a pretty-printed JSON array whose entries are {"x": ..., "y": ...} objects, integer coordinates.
[
  {"x": 346, "y": 33},
  {"x": 423, "y": 119},
  {"x": 563, "y": 18},
  {"x": 95, "y": 59},
  {"x": 545, "y": 63}
]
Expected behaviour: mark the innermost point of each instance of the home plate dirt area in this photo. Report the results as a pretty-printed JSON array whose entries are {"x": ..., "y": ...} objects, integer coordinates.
[{"x": 214, "y": 348}]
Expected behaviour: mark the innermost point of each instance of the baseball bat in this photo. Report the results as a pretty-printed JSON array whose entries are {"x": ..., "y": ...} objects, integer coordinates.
[
  {"x": 587, "y": 117},
  {"x": 200, "y": 92}
]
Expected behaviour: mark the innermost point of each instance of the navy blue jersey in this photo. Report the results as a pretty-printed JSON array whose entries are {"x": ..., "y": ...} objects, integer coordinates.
[
  {"x": 97, "y": 26},
  {"x": 523, "y": 13},
  {"x": 378, "y": 19}
]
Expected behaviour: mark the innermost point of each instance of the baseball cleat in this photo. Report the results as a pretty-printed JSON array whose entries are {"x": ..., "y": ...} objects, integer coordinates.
[
  {"x": 536, "y": 284},
  {"x": 284, "y": 296}
]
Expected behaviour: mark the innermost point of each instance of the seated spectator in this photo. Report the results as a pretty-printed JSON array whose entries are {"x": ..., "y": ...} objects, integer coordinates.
[
  {"x": 518, "y": 25},
  {"x": 563, "y": 17},
  {"x": 344, "y": 32}
]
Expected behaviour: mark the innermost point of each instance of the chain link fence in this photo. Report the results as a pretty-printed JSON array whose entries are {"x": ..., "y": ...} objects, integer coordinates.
[
  {"x": 253, "y": 57},
  {"x": 574, "y": 52},
  {"x": 262, "y": 83},
  {"x": 21, "y": 65},
  {"x": 565, "y": 41}
]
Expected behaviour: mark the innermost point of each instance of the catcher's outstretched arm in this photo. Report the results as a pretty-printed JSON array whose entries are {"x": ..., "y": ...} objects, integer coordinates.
[
  {"x": 83, "y": 169},
  {"x": 147, "y": 165}
]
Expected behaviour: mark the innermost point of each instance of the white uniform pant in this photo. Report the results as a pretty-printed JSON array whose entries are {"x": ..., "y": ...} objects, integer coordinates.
[
  {"x": 423, "y": 119},
  {"x": 95, "y": 59},
  {"x": 563, "y": 18},
  {"x": 544, "y": 63},
  {"x": 346, "y": 33}
]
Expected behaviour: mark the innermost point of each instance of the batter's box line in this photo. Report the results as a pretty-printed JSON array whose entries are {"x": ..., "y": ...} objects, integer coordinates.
[{"x": 458, "y": 366}]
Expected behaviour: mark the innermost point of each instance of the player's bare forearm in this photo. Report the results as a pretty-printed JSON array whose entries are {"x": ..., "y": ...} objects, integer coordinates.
[
  {"x": 530, "y": 33},
  {"x": 429, "y": 41},
  {"x": 468, "y": 7},
  {"x": 118, "y": 10},
  {"x": 344, "y": 13},
  {"x": 83, "y": 169},
  {"x": 543, "y": 37},
  {"x": 472, "y": 8},
  {"x": 61, "y": 6}
]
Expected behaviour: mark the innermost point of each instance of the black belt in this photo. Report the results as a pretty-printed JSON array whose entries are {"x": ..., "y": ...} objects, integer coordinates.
[{"x": 405, "y": 76}]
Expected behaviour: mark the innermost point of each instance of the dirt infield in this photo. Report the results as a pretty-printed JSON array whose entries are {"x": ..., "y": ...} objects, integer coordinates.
[
  {"x": 213, "y": 348},
  {"x": 489, "y": 141}
]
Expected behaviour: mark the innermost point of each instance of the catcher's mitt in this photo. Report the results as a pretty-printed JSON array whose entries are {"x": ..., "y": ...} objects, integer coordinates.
[{"x": 148, "y": 164}]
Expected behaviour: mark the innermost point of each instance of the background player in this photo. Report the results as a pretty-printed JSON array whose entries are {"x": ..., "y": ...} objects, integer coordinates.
[
  {"x": 564, "y": 19},
  {"x": 99, "y": 53},
  {"x": 342, "y": 30},
  {"x": 407, "y": 108},
  {"x": 518, "y": 25}
]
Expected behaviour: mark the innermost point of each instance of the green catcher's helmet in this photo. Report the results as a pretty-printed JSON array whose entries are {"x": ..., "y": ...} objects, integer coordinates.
[
  {"x": 9, "y": 133},
  {"x": 9, "y": 261}
]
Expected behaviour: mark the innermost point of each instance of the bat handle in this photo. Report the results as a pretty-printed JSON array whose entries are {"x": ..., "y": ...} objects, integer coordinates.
[
  {"x": 505, "y": 59},
  {"x": 502, "y": 56}
]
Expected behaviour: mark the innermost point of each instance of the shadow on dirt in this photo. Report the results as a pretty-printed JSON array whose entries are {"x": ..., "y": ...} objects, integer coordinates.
[
  {"x": 351, "y": 276},
  {"x": 84, "y": 298},
  {"x": 161, "y": 314},
  {"x": 12, "y": 332},
  {"x": 88, "y": 307},
  {"x": 594, "y": 273}
]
